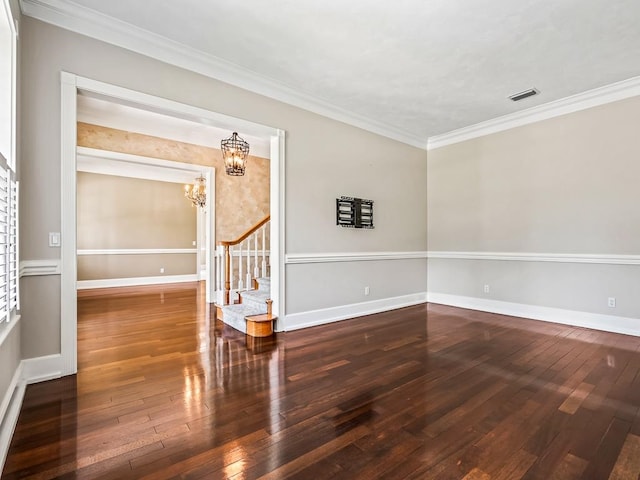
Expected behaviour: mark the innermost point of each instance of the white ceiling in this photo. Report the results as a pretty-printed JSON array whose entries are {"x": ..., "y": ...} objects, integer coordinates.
[{"x": 424, "y": 67}]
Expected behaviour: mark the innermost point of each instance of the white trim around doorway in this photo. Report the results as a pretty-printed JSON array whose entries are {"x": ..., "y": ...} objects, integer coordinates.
[{"x": 71, "y": 86}]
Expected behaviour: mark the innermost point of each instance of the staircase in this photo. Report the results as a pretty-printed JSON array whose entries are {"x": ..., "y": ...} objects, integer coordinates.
[
  {"x": 253, "y": 303},
  {"x": 243, "y": 289}
]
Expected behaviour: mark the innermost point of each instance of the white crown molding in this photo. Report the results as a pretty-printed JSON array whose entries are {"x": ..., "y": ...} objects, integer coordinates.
[
  {"x": 31, "y": 268},
  {"x": 312, "y": 318},
  {"x": 136, "y": 281},
  {"x": 539, "y": 257},
  {"x": 84, "y": 21},
  {"x": 293, "y": 258},
  {"x": 137, "y": 251},
  {"x": 582, "y": 101},
  {"x": 596, "y": 321},
  {"x": 88, "y": 22}
]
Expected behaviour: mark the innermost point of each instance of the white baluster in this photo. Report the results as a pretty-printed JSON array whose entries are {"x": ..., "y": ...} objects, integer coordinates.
[
  {"x": 264, "y": 256},
  {"x": 240, "y": 276},
  {"x": 248, "y": 281},
  {"x": 231, "y": 297},
  {"x": 256, "y": 271}
]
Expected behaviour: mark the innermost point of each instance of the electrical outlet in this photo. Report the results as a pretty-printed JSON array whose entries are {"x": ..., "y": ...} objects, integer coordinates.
[
  {"x": 366, "y": 290},
  {"x": 487, "y": 289},
  {"x": 612, "y": 302},
  {"x": 161, "y": 269}
]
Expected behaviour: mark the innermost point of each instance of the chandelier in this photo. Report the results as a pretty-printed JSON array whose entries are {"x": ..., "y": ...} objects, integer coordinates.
[
  {"x": 234, "y": 153},
  {"x": 197, "y": 192}
]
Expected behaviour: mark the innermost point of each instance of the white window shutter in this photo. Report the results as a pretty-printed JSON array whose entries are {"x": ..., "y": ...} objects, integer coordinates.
[
  {"x": 14, "y": 259},
  {"x": 4, "y": 244}
]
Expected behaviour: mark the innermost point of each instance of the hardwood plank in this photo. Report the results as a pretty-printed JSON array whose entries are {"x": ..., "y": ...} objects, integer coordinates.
[
  {"x": 296, "y": 465},
  {"x": 628, "y": 462},
  {"x": 573, "y": 401},
  {"x": 516, "y": 466},
  {"x": 570, "y": 468},
  {"x": 477, "y": 474},
  {"x": 608, "y": 450},
  {"x": 166, "y": 391}
]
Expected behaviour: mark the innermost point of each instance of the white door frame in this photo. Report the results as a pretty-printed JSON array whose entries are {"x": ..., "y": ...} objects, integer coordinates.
[{"x": 71, "y": 85}]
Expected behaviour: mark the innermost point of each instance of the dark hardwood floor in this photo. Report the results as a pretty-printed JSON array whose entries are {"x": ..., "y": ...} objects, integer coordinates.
[{"x": 427, "y": 392}]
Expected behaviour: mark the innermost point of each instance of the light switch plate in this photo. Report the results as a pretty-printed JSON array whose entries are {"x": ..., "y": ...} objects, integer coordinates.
[{"x": 54, "y": 239}]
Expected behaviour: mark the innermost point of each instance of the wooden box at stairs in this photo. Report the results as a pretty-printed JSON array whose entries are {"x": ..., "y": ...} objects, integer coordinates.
[{"x": 260, "y": 325}]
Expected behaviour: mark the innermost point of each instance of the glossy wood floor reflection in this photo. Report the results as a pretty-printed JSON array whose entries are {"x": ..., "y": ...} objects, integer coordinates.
[{"x": 426, "y": 392}]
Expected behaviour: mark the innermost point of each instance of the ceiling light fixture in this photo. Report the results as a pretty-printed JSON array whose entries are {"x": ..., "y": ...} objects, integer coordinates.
[
  {"x": 234, "y": 153},
  {"x": 522, "y": 95},
  {"x": 197, "y": 192}
]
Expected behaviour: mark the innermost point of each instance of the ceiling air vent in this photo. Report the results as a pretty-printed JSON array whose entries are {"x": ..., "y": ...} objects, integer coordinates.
[{"x": 522, "y": 95}]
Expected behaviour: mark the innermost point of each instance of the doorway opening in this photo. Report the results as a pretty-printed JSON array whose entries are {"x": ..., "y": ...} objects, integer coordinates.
[{"x": 74, "y": 86}]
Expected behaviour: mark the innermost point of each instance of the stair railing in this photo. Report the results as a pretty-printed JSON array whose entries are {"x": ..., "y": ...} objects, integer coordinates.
[{"x": 226, "y": 280}]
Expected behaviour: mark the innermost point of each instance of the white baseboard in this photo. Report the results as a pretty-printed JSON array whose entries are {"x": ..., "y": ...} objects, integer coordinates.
[
  {"x": 313, "y": 318},
  {"x": 9, "y": 412},
  {"x": 15, "y": 381},
  {"x": 596, "y": 321},
  {"x": 135, "y": 281},
  {"x": 41, "y": 369},
  {"x": 29, "y": 371}
]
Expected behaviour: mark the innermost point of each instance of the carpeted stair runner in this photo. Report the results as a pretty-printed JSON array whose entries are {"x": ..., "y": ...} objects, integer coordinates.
[{"x": 253, "y": 303}]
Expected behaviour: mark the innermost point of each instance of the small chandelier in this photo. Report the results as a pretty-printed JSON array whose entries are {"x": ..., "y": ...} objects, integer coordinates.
[
  {"x": 197, "y": 192},
  {"x": 234, "y": 153}
]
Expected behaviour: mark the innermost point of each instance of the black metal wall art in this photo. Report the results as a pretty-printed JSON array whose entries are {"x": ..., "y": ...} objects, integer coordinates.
[{"x": 354, "y": 212}]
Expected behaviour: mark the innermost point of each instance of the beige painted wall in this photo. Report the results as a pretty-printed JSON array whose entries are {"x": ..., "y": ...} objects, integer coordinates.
[
  {"x": 117, "y": 213},
  {"x": 567, "y": 185},
  {"x": 98, "y": 267},
  {"x": 120, "y": 212},
  {"x": 324, "y": 159},
  {"x": 241, "y": 202},
  {"x": 39, "y": 299}
]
